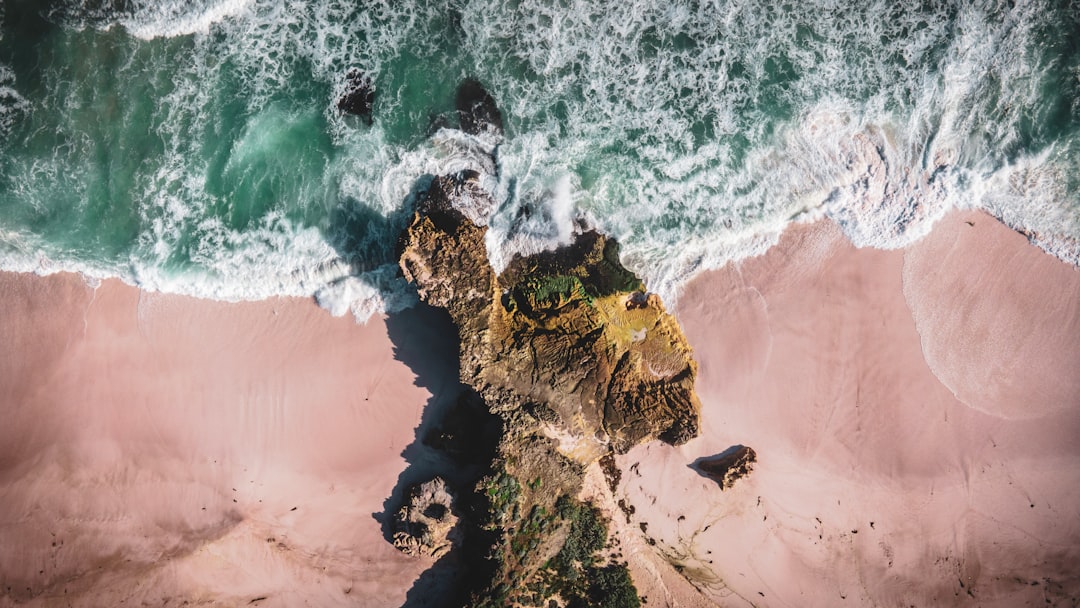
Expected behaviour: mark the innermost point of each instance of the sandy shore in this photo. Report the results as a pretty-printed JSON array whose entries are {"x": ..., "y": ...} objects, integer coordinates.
[
  {"x": 915, "y": 414},
  {"x": 160, "y": 448}
]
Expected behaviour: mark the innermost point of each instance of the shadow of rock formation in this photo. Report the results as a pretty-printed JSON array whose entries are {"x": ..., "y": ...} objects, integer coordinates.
[
  {"x": 728, "y": 466},
  {"x": 455, "y": 440}
]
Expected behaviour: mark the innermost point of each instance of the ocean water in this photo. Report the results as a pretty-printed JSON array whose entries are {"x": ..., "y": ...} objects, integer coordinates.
[{"x": 196, "y": 147}]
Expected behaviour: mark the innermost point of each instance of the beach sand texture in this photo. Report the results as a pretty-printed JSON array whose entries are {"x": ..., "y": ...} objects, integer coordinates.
[
  {"x": 158, "y": 447},
  {"x": 915, "y": 416}
]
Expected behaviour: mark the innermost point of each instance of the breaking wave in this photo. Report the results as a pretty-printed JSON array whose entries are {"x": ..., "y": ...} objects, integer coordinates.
[{"x": 196, "y": 147}]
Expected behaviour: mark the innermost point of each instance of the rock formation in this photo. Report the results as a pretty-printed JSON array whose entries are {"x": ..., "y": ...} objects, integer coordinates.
[
  {"x": 577, "y": 360},
  {"x": 359, "y": 96},
  {"x": 426, "y": 523},
  {"x": 476, "y": 108},
  {"x": 727, "y": 468},
  {"x": 567, "y": 341}
]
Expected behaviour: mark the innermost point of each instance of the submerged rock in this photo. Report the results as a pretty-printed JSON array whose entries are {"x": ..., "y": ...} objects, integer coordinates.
[
  {"x": 566, "y": 341},
  {"x": 359, "y": 96},
  {"x": 728, "y": 467},
  {"x": 476, "y": 108},
  {"x": 426, "y": 524}
]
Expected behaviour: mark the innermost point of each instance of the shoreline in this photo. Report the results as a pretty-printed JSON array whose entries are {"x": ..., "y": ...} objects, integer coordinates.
[
  {"x": 1060, "y": 248},
  {"x": 131, "y": 411}
]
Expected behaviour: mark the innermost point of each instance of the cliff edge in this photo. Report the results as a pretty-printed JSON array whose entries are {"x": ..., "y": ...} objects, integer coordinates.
[
  {"x": 567, "y": 342},
  {"x": 578, "y": 361}
]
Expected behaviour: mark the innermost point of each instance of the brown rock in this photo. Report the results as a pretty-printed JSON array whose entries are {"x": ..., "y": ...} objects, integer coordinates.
[
  {"x": 567, "y": 341},
  {"x": 727, "y": 467},
  {"x": 426, "y": 524}
]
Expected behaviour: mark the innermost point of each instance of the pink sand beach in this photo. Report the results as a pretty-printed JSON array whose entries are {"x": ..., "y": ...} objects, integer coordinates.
[
  {"x": 915, "y": 415},
  {"x": 159, "y": 449}
]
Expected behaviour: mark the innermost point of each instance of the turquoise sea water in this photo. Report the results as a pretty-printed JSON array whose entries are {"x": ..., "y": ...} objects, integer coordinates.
[{"x": 196, "y": 147}]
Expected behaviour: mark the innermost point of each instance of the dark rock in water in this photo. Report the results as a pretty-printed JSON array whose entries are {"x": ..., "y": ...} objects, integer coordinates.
[
  {"x": 476, "y": 109},
  {"x": 727, "y": 467},
  {"x": 359, "y": 96}
]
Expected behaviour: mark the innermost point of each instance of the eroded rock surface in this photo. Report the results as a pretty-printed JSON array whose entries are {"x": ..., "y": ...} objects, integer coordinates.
[
  {"x": 727, "y": 468},
  {"x": 567, "y": 341},
  {"x": 578, "y": 361},
  {"x": 426, "y": 524}
]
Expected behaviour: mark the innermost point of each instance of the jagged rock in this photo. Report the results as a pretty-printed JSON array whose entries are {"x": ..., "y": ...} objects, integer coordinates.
[
  {"x": 730, "y": 466},
  {"x": 576, "y": 359},
  {"x": 426, "y": 524},
  {"x": 359, "y": 96},
  {"x": 567, "y": 341},
  {"x": 476, "y": 108}
]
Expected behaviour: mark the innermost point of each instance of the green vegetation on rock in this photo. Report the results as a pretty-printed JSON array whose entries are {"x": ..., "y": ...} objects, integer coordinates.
[
  {"x": 576, "y": 574},
  {"x": 502, "y": 492},
  {"x": 548, "y": 293},
  {"x": 551, "y": 554},
  {"x": 577, "y": 360}
]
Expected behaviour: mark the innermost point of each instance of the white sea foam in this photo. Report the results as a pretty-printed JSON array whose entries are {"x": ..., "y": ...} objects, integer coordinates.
[
  {"x": 274, "y": 257},
  {"x": 449, "y": 151},
  {"x": 151, "y": 19},
  {"x": 255, "y": 274},
  {"x": 528, "y": 224},
  {"x": 693, "y": 132},
  {"x": 886, "y": 131},
  {"x": 376, "y": 292}
]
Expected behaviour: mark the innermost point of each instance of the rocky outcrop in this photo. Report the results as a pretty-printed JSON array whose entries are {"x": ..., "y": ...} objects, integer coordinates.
[
  {"x": 358, "y": 98},
  {"x": 476, "y": 108},
  {"x": 728, "y": 467},
  {"x": 568, "y": 342},
  {"x": 576, "y": 359},
  {"x": 426, "y": 524}
]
